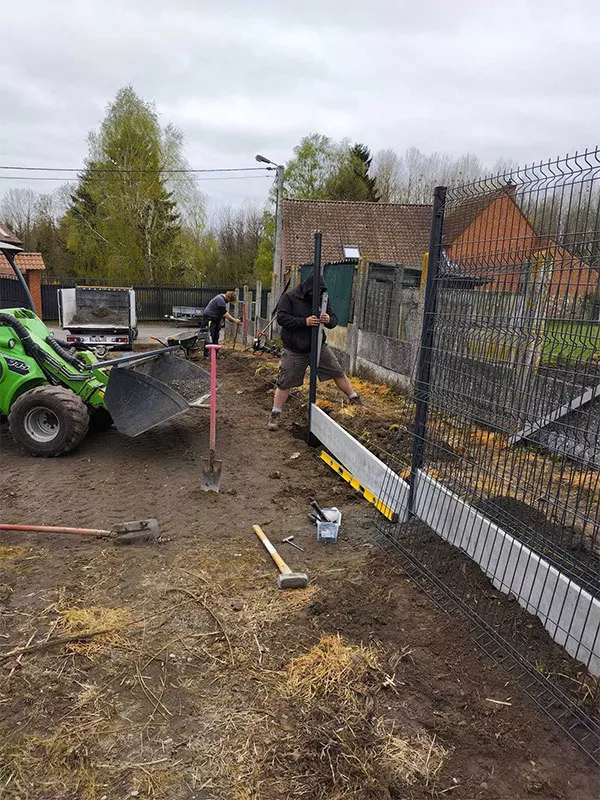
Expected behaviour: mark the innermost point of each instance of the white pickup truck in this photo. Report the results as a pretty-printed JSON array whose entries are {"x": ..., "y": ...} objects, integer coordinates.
[{"x": 100, "y": 316}]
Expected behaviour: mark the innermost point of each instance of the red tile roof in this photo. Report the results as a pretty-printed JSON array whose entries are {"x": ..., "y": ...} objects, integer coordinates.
[
  {"x": 25, "y": 261},
  {"x": 392, "y": 232}
]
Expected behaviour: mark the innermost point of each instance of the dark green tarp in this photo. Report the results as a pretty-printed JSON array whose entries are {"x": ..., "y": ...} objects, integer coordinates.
[{"x": 339, "y": 278}]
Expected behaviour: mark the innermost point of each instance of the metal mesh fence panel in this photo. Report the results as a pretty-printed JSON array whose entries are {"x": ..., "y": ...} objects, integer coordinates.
[{"x": 504, "y": 474}]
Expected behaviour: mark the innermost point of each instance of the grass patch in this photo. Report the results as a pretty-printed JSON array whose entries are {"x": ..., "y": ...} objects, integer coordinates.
[
  {"x": 567, "y": 341},
  {"x": 86, "y": 620},
  {"x": 419, "y": 758},
  {"x": 330, "y": 669},
  {"x": 7, "y": 552}
]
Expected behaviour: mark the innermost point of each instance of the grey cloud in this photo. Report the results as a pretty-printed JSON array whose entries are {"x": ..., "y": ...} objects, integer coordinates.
[{"x": 516, "y": 79}]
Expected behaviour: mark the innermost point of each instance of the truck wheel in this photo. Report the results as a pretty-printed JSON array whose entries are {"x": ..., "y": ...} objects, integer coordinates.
[{"x": 48, "y": 421}]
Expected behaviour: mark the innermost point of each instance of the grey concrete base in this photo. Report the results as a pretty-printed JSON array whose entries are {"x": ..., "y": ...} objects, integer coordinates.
[
  {"x": 569, "y": 614},
  {"x": 374, "y": 356},
  {"x": 375, "y": 373},
  {"x": 368, "y": 470}
]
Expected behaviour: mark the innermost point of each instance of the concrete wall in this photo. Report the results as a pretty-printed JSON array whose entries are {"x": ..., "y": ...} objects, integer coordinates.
[
  {"x": 384, "y": 360},
  {"x": 377, "y": 357}
]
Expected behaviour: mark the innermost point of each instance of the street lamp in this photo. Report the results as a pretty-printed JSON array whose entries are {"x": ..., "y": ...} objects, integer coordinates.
[{"x": 277, "y": 261}]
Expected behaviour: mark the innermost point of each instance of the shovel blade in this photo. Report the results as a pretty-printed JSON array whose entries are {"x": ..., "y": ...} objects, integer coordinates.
[
  {"x": 142, "y": 530},
  {"x": 211, "y": 475}
]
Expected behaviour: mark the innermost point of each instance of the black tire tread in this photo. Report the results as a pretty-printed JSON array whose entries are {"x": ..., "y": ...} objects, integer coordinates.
[{"x": 75, "y": 410}]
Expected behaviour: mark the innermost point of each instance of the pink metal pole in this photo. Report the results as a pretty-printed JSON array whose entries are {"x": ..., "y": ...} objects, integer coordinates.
[{"x": 213, "y": 396}]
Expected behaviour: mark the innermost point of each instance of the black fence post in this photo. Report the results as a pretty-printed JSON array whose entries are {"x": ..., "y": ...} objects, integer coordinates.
[
  {"x": 315, "y": 331},
  {"x": 423, "y": 381}
]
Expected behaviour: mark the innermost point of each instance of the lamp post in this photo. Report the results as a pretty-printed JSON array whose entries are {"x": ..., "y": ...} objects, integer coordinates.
[{"x": 277, "y": 262}]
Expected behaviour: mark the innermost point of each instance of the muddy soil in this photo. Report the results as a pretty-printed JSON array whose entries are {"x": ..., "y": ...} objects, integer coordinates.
[{"x": 184, "y": 701}]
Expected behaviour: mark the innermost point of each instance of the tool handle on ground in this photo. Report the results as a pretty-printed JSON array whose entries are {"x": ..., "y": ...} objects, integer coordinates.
[
  {"x": 213, "y": 394},
  {"x": 55, "y": 529},
  {"x": 281, "y": 565},
  {"x": 320, "y": 513}
]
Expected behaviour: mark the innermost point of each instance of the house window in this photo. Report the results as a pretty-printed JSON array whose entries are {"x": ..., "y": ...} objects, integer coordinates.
[{"x": 351, "y": 251}]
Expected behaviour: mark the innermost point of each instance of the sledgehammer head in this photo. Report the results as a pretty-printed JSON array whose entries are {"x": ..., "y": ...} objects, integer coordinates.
[{"x": 292, "y": 580}]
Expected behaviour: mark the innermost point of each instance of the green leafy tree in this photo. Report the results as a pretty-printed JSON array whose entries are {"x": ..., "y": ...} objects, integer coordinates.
[
  {"x": 316, "y": 159},
  {"x": 351, "y": 180},
  {"x": 323, "y": 169},
  {"x": 123, "y": 222}
]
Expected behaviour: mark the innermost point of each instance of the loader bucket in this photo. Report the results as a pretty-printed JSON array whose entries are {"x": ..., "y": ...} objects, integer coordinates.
[{"x": 154, "y": 390}]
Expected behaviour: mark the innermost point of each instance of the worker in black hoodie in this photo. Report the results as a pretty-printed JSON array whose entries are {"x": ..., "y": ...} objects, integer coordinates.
[{"x": 295, "y": 317}]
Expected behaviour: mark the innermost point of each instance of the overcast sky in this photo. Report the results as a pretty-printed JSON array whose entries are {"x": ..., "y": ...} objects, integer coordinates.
[{"x": 517, "y": 79}]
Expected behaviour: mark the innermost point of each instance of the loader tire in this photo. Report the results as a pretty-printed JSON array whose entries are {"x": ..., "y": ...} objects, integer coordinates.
[{"x": 48, "y": 421}]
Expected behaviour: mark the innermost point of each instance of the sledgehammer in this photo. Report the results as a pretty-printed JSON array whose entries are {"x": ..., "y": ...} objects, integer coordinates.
[{"x": 286, "y": 578}]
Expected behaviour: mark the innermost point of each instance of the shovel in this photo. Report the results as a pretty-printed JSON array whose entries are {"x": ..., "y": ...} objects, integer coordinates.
[
  {"x": 237, "y": 327},
  {"x": 211, "y": 469},
  {"x": 142, "y": 530}
]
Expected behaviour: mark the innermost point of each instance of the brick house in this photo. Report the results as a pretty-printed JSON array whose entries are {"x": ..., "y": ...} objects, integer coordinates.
[
  {"x": 30, "y": 264},
  {"x": 489, "y": 237}
]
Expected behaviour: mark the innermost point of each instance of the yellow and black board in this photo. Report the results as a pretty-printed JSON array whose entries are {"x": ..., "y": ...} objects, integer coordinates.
[{"x": 366, "y": 493}]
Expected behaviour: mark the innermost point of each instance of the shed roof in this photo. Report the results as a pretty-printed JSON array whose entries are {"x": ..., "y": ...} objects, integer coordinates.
[
  {"x": 26, "y": 262},
  {"x": 393, "y": 232}
]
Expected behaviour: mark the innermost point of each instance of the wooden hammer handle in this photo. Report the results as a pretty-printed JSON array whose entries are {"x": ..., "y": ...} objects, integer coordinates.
[{"x": 281, "y": 565}]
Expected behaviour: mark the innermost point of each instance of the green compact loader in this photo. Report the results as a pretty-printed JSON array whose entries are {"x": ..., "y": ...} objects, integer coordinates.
[{"x": 52, "y": 391}]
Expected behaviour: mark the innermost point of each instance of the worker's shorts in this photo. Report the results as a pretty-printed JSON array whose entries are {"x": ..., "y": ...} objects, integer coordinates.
[{"x": 292, "y": 368}]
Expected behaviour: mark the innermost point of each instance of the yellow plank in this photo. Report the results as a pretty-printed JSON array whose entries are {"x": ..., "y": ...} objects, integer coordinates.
[{"x": 362, "y": 490}]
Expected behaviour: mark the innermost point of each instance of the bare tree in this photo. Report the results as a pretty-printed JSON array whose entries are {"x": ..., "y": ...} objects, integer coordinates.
[
  {"x": 411, "y": 178},
  {"x": 387, "y": 168},
  {"x": 18, "y": 211},
  {"x": 237, "y": 233}
]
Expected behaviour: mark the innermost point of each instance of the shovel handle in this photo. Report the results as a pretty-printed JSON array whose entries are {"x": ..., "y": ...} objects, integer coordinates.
[
  {"x": 55, "y": 529},
  {"x": 281, "y": 565},
  {"x": 213, "y": 395}
]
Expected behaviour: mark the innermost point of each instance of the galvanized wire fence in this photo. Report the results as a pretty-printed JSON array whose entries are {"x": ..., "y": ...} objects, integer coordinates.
[{"x": 505, "y": 461}]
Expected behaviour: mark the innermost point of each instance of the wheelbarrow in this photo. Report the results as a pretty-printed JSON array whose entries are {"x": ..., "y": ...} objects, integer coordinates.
[{"x": 190, "y": 341}]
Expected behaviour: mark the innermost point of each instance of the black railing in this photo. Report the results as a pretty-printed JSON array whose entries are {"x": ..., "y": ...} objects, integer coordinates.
[{"x": 153, "y": 303}]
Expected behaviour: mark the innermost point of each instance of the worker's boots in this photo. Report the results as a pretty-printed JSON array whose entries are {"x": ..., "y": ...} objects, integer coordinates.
[{"x": 274, "y": 421}]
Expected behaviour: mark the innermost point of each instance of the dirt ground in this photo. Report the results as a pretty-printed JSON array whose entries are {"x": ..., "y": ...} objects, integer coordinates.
[{"x": 208, "y": 681}]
